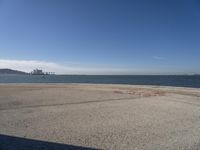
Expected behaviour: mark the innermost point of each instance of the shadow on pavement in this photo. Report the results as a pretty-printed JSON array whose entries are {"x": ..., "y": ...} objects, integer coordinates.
[{"x": 18, "y": 143}]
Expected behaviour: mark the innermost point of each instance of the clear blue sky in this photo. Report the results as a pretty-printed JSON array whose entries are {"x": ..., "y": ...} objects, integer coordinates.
[{"x": 134, "y": 36}]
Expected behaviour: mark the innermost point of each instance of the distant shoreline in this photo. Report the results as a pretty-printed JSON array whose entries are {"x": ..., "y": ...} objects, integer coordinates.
[{"x": 103, "y": 74}]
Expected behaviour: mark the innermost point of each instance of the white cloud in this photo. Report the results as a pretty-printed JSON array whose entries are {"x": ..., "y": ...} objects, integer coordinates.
[
  {"x": 29, "y": 65},
  {"x": 70, "y": 68}
]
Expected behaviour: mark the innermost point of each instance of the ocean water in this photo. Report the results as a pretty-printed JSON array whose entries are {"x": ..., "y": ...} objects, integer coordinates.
[{"x": 161, "y": 80}]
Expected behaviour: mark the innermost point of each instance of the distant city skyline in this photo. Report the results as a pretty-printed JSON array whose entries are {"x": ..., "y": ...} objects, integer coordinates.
[{"x": 101, "y": 37}]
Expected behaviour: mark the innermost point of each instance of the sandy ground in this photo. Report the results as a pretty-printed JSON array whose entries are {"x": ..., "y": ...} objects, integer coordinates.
[{"x": 84, "y": 116}]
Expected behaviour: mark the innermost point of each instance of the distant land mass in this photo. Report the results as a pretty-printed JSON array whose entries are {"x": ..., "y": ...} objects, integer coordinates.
[{"x": 10, "y": 71}]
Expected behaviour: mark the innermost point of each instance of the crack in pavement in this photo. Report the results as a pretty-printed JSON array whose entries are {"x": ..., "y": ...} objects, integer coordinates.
[
  {"x": 60, "y": 104},
  {"x": 94, "y": 101}
]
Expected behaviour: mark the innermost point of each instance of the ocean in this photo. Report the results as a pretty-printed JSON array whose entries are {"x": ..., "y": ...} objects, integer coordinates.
[{"x": 160, "y": 80}]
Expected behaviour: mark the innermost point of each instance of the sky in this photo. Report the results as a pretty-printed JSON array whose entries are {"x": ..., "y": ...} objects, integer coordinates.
[{"x": 101, "y": 36}]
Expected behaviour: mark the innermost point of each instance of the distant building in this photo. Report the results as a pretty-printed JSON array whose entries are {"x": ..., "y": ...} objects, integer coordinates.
[
  {"x": 37, "y": 72},
  {"x": 40, "y": 72}
]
